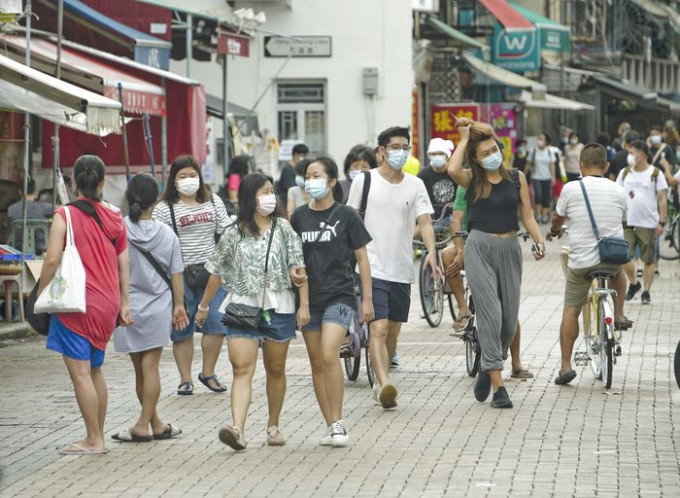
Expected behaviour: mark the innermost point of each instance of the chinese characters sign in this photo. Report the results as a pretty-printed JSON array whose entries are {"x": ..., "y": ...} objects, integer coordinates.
[
  {"x": 228, "y": 44},
  {"x": 503, "y": 119},
  {"x": 444, "y": 117}
]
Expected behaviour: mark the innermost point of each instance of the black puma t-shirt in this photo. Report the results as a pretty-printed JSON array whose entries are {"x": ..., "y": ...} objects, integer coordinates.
[{"x": 327, "y": 245}]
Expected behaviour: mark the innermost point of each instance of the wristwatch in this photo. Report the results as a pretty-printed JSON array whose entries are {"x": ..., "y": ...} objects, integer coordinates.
[{"x": 205, "y": 310}]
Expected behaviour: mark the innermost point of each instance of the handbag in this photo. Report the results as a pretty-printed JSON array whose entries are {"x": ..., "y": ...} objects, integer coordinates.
[
  {"x": 40, "y": 322},
  {"x": 244, "y": 316},
  {"x": 612, "y": 250},
  {"x": 66, "y": 292}
]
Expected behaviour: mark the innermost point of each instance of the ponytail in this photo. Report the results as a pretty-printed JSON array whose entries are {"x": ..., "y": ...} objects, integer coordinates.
[
  {"x": 89, "y": 173},
  {"x": 135, "y": 211},
  {"x": 141, "y": 194}
]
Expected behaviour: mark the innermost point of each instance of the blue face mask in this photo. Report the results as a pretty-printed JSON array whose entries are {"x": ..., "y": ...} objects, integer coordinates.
[
  {"x": 492, "y": 162},
  {"x": 655, "y": 139},
  {"x": 300, "y": 181},
  {"x": 397, "y": 158},
  {"x": 316, "y": 188},
  {"x": 353, "y": 174}
]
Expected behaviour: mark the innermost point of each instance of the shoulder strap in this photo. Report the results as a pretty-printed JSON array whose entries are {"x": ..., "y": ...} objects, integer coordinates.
[
  {"x": 153, "y": 262},
  {"x": 269, "y": 245},
  {"x": 89, "y": 210},
  {"x": 364, "y": 194},
  {"x": 658, "y": 154},
  {"x": 626, "y": 170},
  {"x": 590, "y": 211},
  {"x": 172, "y": 217}
]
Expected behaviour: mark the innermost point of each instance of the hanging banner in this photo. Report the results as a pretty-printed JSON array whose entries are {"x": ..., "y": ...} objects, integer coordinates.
[
  {"x": 444, "y": 117},
  {"x": 503, "y": 118},
  {"x": 415, "y": 125}
]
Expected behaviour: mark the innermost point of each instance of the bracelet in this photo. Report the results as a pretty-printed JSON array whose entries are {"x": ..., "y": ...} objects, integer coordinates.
[{"x": 204, "y": 310}]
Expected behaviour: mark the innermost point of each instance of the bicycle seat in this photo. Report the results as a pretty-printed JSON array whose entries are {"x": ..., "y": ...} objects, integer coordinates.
[{"x": 600, "y": 273}]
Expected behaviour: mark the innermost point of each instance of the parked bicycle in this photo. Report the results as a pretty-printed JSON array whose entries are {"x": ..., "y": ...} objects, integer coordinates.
[
  {"x": 669, "y": 241},
  {"x": 351, "y": 351}
]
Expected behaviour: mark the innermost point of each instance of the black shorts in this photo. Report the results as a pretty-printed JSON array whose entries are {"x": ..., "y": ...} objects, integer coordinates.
[{"x": 391, "y": 300}]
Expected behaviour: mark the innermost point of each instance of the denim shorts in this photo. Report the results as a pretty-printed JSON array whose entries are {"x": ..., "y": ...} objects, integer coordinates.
[
  {"x": 63, "y": 340},
  {"x": 391, "y": 300},
  {"x": 338, "y": 313},
  {"x": 280, "y": 329},
  {"x": 213, "y": 323}
]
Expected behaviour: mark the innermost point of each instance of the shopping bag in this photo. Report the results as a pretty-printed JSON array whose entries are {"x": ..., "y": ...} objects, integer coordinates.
[{"x": 66, "y": 292}]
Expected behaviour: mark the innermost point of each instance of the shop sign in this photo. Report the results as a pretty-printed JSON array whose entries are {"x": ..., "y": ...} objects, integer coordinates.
[
  {"x": 516, "y": 50},
  {"x": 444, "y": 117}
]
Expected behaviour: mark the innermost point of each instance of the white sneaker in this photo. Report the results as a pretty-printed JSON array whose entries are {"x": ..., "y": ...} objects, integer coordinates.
[
  {"x": 339, "y": 436},
  {"x": 375, "y": 393},
  {"x": 327, "y": 439}
]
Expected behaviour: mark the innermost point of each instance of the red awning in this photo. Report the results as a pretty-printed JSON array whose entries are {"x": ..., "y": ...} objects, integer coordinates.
[
  {"x": 139, "y": 96},
  {"x": 506, "y": 14}
]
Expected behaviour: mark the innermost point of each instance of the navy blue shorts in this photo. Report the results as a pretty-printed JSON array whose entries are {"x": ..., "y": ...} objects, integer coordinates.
[
  {"x": 213, "y": 323},
  {"x": 391, "y": 300},
  {"x": 337, "y": 313},
  {"x": 63, "y": 340},
  {"x": 280, "y": 329}
]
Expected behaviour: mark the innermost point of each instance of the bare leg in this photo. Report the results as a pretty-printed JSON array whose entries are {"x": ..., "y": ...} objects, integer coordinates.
[
  {"x": 455, "y": 283},
  {"x": 496, "y": 379},
  {"x": 211, "y": 344},
  {"x": 88, "y": 399},
  {"x": 243, "y": 356},
  {"x": 378, "y": 350},
  {"x": 331, "y": 337},
  {"x": 102, "y": 396},
  {"x": 313, "y": 342},
  {"x": 148, "y": 391},
  {"x": 619, "y": 285},
  {"x": 649, "y": 276},
  {"x": 184, "y": 355},
  {"x": 274, "y": 357},
  {"x": 515, "y": 346},
  {"x": 629, "y": 268},
  {"x": 393, "y": 329},
  {"x": 568, "y": 335}
]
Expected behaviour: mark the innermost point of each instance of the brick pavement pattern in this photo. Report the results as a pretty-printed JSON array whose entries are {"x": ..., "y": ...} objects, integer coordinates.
[{"x": 576, "y": 441}]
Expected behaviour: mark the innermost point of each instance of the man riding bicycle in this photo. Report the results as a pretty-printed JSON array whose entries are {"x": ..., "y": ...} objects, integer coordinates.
[{"x": 608, "y": 203}]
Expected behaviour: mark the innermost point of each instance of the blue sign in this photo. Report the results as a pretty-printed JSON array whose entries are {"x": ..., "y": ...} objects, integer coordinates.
[
  {"x": 153, "y": 56},
  {"x": 516, "y": 50}
]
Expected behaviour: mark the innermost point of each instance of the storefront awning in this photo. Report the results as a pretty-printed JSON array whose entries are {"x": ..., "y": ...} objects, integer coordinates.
[
  {"x": 553, "y": 102},
  {"x": 506, "y": 15},
  {"x": 504, "y": 77},
  {"x": 554, "y": 37},
  {"x": 210, "y": 9},
  {"x": 623, "y": 90},
  {"x": 458, "y": 35},
  {"x": 90, "y": 25},
  {"x": 139, "y": 96},
  {"x": 28, "y": 90}
]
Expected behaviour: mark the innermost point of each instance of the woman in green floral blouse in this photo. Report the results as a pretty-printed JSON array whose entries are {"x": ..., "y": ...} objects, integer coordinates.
[{"x": 238, "y": 263}]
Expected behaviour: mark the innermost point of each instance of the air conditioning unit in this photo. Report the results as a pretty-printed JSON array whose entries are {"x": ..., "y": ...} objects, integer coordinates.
[{"x": 431, "y": 6}]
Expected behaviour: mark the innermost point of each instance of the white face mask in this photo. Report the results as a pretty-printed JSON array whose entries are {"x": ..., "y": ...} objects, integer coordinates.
[
  {"x": 655, "y": 139},
  {"x": 188, "y": 186},
  {"x": 573, "y": 141},
  {"x": 438, "y": 161},
  {"x": 631, "y": 160},
  {"x": 266, "y": 204},
  {"x": 397, "y": 158},
  {"x": 353, "y": 174}
]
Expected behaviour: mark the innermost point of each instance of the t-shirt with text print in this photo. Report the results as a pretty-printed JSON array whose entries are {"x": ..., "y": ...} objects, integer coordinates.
[
  {"x": 327, "y": 245},
  {"x": 196, "y": 225}
]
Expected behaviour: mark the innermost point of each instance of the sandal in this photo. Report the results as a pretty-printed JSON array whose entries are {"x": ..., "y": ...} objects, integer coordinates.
[
  {"x": 206, "y": 382},
  {"x": 169, "y": 433},
  {"x": 461, "y": 323},
  {"x": 274, "y": 436},
  {"x": 125, "y": 436},
  {"x": 185, "y": 388},
  {"x": 565, "y": 378},
  {"x": 522, "y": 373}
]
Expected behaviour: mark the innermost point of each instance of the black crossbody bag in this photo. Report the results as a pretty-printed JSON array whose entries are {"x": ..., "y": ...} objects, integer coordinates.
[
  {"x": 197, "y": 276},
  {"x": 612, "y": 250},
  {"x": 244, "y": 316}
]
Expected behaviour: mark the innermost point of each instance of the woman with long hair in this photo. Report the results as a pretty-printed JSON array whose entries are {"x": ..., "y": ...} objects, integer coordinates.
[
  {"x": 359, "y": 158},
  {"x": 197, "y": 217},
  {"x": 493, "y": 257},
  {"x": 239, "y": 263},
  {"x": 238, "y": 168},
  {"x": 331, "y": 232},
  {"x": 81, "y": 338},
  {"x": 156, "y": 305}
]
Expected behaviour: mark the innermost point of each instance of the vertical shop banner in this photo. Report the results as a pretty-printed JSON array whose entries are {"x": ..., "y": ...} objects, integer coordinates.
[
  {"x": 415, "y": 125},
  {"x": 503, "y": 118},
  {"x": 444, "y": 117}
]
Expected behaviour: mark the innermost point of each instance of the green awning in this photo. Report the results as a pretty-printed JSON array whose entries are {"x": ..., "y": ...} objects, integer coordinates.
[
  {"x": 555, "y": 37},
  {"x": 462, "y": 37}
]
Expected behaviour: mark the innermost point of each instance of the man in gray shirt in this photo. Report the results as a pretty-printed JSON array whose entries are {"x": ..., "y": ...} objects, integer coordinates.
[{"x": 36, "y": 210}]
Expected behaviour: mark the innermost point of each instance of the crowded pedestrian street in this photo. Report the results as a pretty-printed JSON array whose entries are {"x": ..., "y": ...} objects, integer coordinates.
[{"x": 577, "y": 440}]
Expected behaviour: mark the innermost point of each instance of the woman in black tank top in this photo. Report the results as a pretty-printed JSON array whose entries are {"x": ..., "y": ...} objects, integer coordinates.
[{"x": 493, "y": 257}]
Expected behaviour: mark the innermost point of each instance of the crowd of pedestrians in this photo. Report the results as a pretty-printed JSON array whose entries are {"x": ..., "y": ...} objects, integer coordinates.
[{"x": 309, "y": 252}]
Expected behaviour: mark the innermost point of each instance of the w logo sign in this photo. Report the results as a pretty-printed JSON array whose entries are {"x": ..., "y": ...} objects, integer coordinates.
[
  {"x": 516, "y": 50},
  {"x": 515, "y": 43}
]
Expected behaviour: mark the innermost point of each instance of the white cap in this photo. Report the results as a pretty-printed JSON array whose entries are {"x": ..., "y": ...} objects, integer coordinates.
[{"x": 440, "y": 145}]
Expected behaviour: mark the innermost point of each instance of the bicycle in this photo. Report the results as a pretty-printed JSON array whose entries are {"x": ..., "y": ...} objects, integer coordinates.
[
  {"x": 473, "y": 350},
  {"x": 669, "y": 241},
  {"x": 601, "y": 339},
  {"x": 359, "y": 339}
]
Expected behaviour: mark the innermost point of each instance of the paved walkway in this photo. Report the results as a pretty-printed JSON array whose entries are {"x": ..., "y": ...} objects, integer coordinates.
[{"x": 571, "y": 441}]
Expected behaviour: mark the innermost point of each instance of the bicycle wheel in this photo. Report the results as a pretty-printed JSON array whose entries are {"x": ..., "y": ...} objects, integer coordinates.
[
  {"x": 590, "y": 336},
  {"x": 668, "y": 247},
  {"x": 352, "y": 365},
  {"x": 472, "y": 355},
  {"x": 449, "y": 297},
  {"x": 431, "y": 295},
  {"x": 369, "y": 368},
  {"x": 676, "y": 364},
  {"x": 605, "y": 343}
]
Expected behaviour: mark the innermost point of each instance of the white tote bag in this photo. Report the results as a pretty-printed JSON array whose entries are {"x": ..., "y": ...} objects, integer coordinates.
[{"x": 66, "y": 292}]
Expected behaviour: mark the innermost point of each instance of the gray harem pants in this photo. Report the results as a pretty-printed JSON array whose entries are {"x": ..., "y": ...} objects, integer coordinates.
[{"x": 493, "y": 267}]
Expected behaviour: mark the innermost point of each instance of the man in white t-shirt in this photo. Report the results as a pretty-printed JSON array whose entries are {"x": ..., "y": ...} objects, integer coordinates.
[
  {"x": 396, "y": 201},
  {"x": 646, "y": 189},
  {"x": 608, "y": 203}
]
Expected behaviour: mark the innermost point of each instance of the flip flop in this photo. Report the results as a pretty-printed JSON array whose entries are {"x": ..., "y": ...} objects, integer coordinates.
[
  {"x": 213, "y": 377},
  {"x": 125, "y": 436},
  {"x": 170, "y": 433},
  {"x": 565, "y": 378},
  {"x": 185, "y": 391},
  {"x": 81, "y": 451},
  {"x": 522, "y": 373},
  {"x": 625, "y": 325},
  {"x": 462, "y": 323}
]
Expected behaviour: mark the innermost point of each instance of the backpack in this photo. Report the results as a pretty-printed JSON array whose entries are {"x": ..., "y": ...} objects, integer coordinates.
[{"x": 655, "y": 174}]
